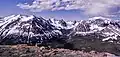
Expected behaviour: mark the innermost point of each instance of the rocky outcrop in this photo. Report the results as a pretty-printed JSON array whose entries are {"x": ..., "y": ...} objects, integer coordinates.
[{"x": 32, "y": 51}]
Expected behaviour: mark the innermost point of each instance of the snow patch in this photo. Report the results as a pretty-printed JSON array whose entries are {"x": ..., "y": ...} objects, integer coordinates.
[{"x": 96, "y": 27}]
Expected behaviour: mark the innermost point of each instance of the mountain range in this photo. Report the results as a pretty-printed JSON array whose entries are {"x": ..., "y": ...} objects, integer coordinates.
[{"x": 22, "y": 29}]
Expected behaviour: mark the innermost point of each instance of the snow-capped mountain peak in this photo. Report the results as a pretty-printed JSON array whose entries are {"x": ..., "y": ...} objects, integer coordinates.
[
  {"x": 99, "y": 18},
  {"x": 23, "y": 17},
  {"x": 27, "y": 28},
  {"x": 101, "y": 26}
]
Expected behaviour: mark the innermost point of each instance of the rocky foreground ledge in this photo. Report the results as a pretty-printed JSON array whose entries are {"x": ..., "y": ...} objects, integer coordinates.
[{"x": 33, "y": 51}]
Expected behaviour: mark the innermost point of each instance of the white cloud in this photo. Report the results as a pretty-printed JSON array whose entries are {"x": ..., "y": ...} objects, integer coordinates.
[{"x": 90, "y": 7}]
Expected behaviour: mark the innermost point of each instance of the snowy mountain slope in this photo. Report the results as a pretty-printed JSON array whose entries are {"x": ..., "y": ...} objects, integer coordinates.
[
  {"x": 108, "y": 28},
  {"x": 62, "y": 24},
  {"x": 27, "y": 29}
]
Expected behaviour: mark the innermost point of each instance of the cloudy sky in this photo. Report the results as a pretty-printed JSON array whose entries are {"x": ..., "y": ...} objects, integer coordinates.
[{"x": 62, "y": 9}]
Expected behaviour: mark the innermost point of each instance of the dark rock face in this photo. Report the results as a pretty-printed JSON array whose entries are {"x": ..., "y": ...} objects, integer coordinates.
[
  {"x": 83, "y": 43},
  {"x": 82, "y": 27}
]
